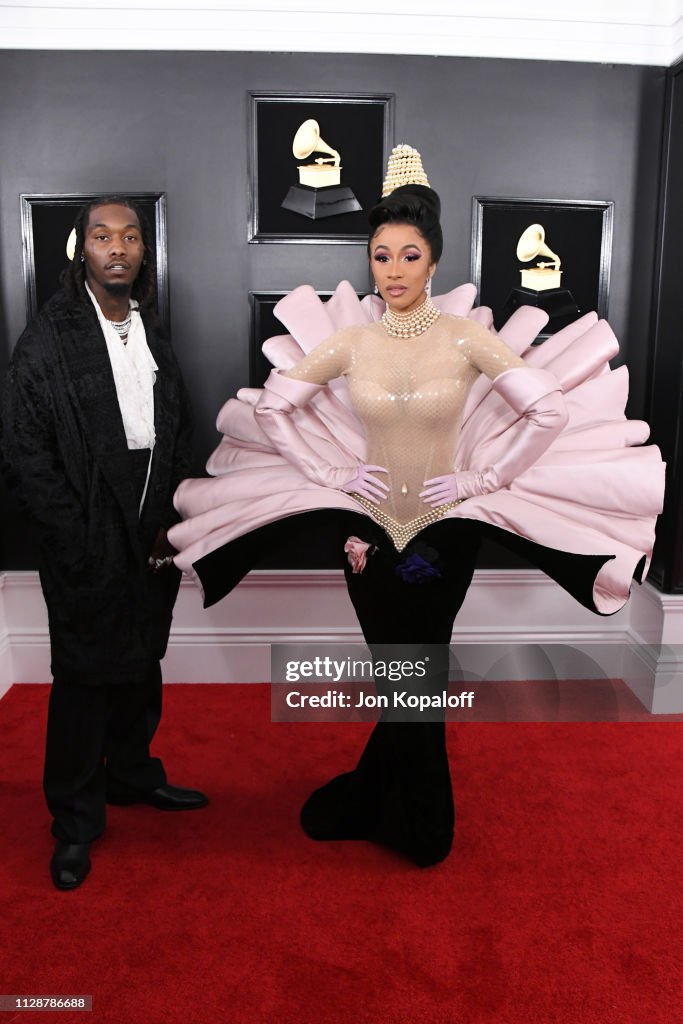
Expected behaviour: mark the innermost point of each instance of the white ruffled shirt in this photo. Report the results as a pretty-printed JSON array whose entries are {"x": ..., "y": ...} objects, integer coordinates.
[{"x": 134, "y": 372}]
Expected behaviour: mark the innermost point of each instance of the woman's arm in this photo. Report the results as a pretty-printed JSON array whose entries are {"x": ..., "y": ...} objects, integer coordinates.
[
  {"x": 284, "y": 393},
  {"x": 536, "y": 397}
]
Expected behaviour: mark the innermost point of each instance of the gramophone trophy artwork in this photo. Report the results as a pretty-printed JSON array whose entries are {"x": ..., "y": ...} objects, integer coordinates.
[
  {"x": 320, "y": 192},
  {"x": 541, "y": 285}
]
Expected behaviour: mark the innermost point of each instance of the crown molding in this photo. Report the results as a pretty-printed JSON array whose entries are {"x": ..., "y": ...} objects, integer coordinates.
[{"x": 604, "y": 31}]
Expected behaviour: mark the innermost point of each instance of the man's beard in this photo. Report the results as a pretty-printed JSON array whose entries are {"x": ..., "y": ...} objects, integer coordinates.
[{"x": 117, "y": 288}]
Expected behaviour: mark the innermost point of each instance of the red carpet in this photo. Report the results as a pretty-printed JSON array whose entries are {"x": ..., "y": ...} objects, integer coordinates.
[{"x": 561, "y": 903}]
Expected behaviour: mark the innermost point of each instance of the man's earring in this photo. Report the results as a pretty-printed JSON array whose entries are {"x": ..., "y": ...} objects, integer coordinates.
[{"x": 82, "y": 258}]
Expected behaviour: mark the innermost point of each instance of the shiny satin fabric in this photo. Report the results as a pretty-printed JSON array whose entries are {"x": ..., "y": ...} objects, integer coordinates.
[{"x": 595, "y": 491}]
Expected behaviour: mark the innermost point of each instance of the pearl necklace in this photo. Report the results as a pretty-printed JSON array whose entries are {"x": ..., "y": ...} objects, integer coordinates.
[{"x": 411, "y": 325}]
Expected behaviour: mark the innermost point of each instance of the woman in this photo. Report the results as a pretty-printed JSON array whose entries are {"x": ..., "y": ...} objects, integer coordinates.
[{"x": 409, "y": 486}]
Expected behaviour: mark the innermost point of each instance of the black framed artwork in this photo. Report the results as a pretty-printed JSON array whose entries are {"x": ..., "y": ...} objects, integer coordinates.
[
  {"x": 264, "y": 325},
  {"x": 324, "y": 193},
  {"x": 47, "y": 221},
  {"x": 565, "y": 244}
]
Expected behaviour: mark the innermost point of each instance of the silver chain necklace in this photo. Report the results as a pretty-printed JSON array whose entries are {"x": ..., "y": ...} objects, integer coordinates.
[{"x": 122, "y": 327}]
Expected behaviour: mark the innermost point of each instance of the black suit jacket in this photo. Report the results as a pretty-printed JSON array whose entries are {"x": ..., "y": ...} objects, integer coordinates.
[{"x": 65, "y": 453}]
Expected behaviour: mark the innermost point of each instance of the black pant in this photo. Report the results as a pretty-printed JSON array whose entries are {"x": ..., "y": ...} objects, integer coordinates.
[
  {"x": 98, "y": 740},
  {"x": 400, "y": 793}
]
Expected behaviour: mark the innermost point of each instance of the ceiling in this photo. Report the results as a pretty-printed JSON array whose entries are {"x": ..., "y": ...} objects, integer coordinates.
[{"x": 604, "y": 31}]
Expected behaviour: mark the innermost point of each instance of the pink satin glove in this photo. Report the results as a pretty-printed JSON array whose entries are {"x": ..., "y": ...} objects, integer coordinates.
[
  {"x": 469, "y": 483},
  {"x": 536, "y": 396},
  {"x": 281, "y": 397},
  {"x": 442, "y": 489},
  {"x": 367, "y": 485}
]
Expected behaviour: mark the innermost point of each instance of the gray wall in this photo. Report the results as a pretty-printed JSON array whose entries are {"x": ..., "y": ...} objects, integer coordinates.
[{"x": 177, "y": 122}]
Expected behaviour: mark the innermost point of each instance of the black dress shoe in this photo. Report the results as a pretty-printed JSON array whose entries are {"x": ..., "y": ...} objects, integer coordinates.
[
  {"x": 165, "y": 798},
  {"x": 70, "y": 864}
]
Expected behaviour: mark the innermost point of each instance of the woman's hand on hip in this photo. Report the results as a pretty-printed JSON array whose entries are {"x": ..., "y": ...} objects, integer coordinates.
[
  {"x": 367, "y": 485},
  {"x": 467, "y": 483}
]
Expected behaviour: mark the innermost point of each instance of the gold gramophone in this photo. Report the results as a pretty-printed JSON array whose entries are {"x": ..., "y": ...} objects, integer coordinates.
[
  {"x": 541, "y": 285},
  {"x": 544, "y": 275},
  {"x": 320, "y": 192}
]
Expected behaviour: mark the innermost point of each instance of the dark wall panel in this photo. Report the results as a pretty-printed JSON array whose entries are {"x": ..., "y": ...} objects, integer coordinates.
[
  {"x": 177, "y": 122},
  {"x": 666, "y": 409}
]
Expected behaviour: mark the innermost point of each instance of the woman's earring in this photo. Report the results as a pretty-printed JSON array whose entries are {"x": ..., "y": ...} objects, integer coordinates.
[
  {"x": 376, "y": 290},
  {"x": 428, "y": 287}
]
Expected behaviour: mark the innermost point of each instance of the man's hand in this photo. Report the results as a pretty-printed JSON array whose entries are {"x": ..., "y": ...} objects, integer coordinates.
[{"x": 161, "y": 555}]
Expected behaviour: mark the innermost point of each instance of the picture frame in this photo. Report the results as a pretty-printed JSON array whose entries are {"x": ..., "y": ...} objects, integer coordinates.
[
  {"x": 360, "y": 127},
  {"x": 46, "y": 222},
  {"x": 578, "y": 231}
]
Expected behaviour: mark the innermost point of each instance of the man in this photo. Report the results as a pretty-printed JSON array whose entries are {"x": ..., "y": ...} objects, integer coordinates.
[{"x": 95, "y": 440}]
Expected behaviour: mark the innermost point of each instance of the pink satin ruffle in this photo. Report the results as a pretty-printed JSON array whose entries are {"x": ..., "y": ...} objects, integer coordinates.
[{"x": 595, "y": 491}]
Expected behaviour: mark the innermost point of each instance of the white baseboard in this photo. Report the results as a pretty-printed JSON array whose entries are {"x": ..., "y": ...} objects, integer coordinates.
[
  {"x": 656, "y": 628},
  {"x": 514, "y": 624},
  {"x": 6, "y": 668}
]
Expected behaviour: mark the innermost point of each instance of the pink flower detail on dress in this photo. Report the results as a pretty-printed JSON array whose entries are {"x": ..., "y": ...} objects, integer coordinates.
[{"x": 357, "y": 551}]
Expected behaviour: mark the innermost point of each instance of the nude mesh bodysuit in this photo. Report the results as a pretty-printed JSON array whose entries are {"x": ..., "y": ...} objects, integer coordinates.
[{"x": 409, "y": 394}]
